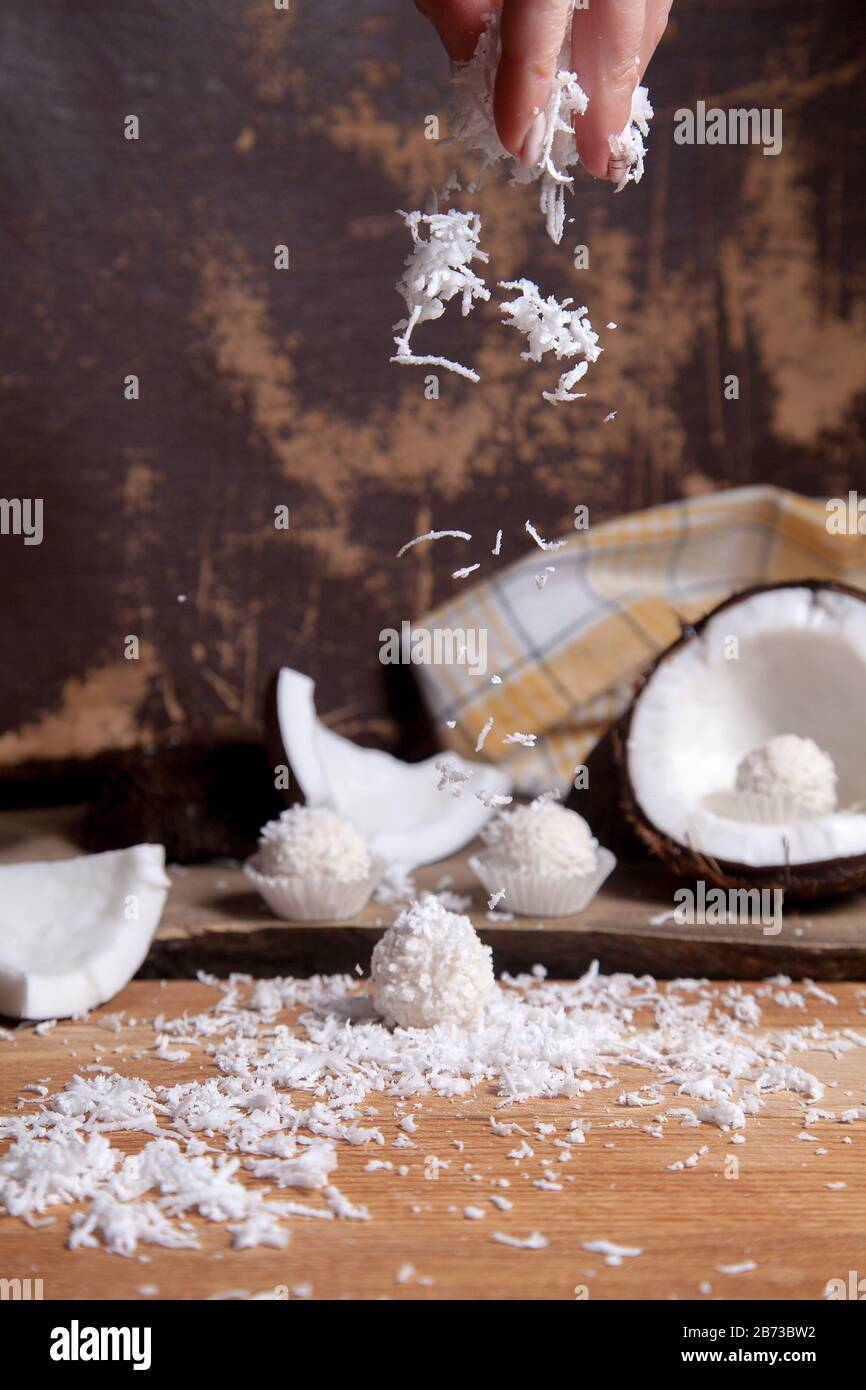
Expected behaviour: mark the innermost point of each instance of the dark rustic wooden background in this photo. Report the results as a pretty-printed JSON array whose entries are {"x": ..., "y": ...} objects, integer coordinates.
[{"x": 261, "y": 387}]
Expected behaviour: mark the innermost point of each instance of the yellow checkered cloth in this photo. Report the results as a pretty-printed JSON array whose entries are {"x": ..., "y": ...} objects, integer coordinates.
[{"x": 568, "y": 653}]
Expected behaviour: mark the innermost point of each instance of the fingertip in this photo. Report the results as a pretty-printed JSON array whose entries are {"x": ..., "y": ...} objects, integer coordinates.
[
  {"x": 604, "y": 119},
  {"x": 512, "y": 112},
  {"x": 592, "y": 143},
  {"x": 594, "y": 154},
  {"x": 458, "y": 24}
]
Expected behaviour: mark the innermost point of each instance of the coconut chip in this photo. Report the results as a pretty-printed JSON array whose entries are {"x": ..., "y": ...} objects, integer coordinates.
[
  {"x": 479, "y": 744},
  {"x": 536, "y": 1241}
]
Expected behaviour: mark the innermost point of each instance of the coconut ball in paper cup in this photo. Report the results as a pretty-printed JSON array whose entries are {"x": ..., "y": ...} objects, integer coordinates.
[
  {"x": 311, "y": 865},
  {"x": 545, "y": 859}
]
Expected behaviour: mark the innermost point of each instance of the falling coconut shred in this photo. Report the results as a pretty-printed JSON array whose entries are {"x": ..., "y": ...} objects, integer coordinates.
[
  {"x": 437, "y": 268},
  {"x": 74, "y": 932}
]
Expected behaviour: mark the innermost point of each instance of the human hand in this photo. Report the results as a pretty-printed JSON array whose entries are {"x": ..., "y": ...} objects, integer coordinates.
[{"x": 612, "y": 42}]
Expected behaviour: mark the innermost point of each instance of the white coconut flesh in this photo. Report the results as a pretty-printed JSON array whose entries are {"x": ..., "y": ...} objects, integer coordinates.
[
  {"x": 397, "y": 806},
  {"x": 74, "y": 932},
  {"x": 799, "y": 668}
]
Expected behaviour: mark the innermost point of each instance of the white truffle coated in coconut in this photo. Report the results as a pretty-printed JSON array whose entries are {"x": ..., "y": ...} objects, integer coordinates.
[
  {"x": 793, "y": 768},
  {"x": 430, "y": 967},
  {"x": 542, "y": 838},
  {"x": 313, "y": 842}
]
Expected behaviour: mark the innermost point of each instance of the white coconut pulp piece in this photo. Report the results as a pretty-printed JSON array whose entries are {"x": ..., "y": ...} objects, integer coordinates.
[
  {"x": 73, "y": 932},
  {"x": 801, "y": 669},
  {"x": 396, "y": 805}
]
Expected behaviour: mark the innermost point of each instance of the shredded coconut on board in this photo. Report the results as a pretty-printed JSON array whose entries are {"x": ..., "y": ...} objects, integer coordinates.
[
  {"x": 613, "y": 1254},
  {"x": 536, "y": 1241},
  {"x": 274, "y": 1101},
  {"x": 745, "y": 1267}
]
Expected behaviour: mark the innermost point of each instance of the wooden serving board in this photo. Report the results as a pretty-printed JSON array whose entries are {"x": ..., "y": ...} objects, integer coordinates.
[
  {"x": 215, "y": 921},
  {"x": 774, "y": 1208}
]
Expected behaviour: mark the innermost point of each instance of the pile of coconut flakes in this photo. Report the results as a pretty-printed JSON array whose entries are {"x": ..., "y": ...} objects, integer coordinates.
[{"x": 283, "y": 1097}]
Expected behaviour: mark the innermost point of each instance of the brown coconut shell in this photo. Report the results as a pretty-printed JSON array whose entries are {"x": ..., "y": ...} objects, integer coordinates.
[{"x": 614, "y": 810}]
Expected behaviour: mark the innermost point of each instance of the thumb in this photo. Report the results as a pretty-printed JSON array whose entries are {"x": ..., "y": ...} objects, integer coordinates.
[
  {"x": 459, "y": 23},
  {"x": 606, "y": 43}
]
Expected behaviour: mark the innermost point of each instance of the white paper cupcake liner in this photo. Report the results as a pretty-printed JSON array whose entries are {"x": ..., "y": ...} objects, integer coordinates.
[
  {"x": 542, "y": 895},
  {"x": 304, "y": 899},
  {"x": 757, "y": 809}
]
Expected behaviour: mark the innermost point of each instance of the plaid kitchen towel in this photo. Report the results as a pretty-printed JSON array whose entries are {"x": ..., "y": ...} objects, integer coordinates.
[{"x": 567, "y": 653}]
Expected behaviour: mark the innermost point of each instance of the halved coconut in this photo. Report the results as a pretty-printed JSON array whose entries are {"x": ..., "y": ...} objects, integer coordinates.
[
  {"x": 778, "y": 660},
  {"x": 397, "y": 806},
  {"x": 73, "y": 932}
]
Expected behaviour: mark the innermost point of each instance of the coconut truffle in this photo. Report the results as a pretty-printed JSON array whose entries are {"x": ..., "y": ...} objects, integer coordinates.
[
  {"x": 793, "y": 768},
  {"x": 543, "y": 838},
  {"x": 312, "y": 842},
  {"x": 430, "y": 967}
]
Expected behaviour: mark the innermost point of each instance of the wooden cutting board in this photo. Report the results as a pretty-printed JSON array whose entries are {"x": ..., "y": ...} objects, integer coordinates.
[
  {"x": 776, "y": 1211},
  {"x": 215, "y": 921}
]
